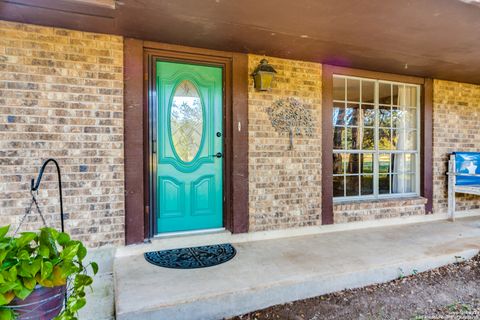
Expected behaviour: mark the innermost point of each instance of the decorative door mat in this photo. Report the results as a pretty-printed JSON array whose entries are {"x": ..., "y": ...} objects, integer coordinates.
[{"x": 192, "y": 258}]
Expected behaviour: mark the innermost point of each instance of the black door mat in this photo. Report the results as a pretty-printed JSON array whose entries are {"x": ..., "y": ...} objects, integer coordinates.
[{"x": 192, "y": 258}]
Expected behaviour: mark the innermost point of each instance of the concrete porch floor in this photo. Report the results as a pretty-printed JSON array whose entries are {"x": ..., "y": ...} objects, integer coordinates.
[{"x": 270, "y": 272}]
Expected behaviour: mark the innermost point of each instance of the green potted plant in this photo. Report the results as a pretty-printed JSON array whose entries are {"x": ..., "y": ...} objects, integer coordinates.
[{"x": 34, "y": 269}]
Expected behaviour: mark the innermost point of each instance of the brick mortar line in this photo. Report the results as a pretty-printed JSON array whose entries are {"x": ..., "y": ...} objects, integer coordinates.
[
  {"x": 58, "y": 76},
  {"x": 83, "y": 63},
  {"x": 59, "y": 84},
  {"x": 112, "y": 53},
  {"x": 67, "y": 69}
]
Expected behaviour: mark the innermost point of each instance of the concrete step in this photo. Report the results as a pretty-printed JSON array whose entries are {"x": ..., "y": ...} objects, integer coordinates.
[{"x": 270, "y": 272}]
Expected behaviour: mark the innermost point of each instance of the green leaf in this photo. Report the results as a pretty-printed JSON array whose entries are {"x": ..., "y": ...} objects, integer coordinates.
[
  {"x": 4, "y": 288},
  {"x": 22, "y": 292},
  {"x": 23, "y": 270},
  {"x": 54, "y": 233},
  {"x": 82, "y": 280},
  {"x": 82, "y": 252},
  {"x": 6, "y": 314},
  {"x": 70, "y": 252},
  {"x": 12, "y": 273},
  {"x": 29, "y": 283},
  {"x": 46, "y": 269},
  {"x": 25, "y": 239},
  {"x": 63, "y": 316},
  {"x": 43, "y": 251},
  {"x": 47, "y": 240},
  {"x": 26, "y": 268},
  {"x": 23, "y": 255},
  {"x": 68, "y": 269},
  {"x": 63, "y": 238},
  {"x": 77, "y": 304},
  {"x": 4, "y": 230},
  {"x": 7, "y": 264},
  {"x": 3, "y": 301},
  {"x": 94, "y": 267},
  {"x": 3, "y": 255},
  {"x": 35, "y": 266}
]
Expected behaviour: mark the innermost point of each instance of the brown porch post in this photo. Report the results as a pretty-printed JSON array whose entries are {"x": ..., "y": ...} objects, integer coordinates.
[
  {"x": 239, "y": 185},
  {"x": 133, "y": 141},
  {"x": 426, "y": 155},
  {"x": 327, "y": 145}
]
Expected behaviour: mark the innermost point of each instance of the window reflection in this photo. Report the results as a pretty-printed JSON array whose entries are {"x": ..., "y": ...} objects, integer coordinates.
[
  {"x": 368, "y": 139},
  {"x": 366, "y": 185},
  {"x": 353, "y": 138},
  {"x": 186, "y": 121},
  {"x": 351, "y": 115},
  {"x": 384, "y": 139},
  {"x": 368, "y": 115},
  {"x": 366, "y": 163},
  {"x": 339, "y": 138},
  {"x": 352, "y": 185},
  {"x": 352, "y": 163},
  {"x": 338, "y": 186},
  {"x": 375, "y": 137}
]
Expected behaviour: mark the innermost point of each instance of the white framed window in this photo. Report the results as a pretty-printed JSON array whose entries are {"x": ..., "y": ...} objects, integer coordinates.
[{"x": 376, "y": 138}]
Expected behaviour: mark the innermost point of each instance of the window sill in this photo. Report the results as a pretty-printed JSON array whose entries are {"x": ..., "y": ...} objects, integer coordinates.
[{"x": 385, "y": 202}]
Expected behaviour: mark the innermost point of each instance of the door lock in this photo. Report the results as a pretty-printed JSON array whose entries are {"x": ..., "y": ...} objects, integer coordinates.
[
  {"x": 219, "y": 134},
  {"x": 218, "y": 155}
]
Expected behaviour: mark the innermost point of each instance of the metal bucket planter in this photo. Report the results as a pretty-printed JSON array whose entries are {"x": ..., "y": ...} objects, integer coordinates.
[{"x": 42, "y": 304}]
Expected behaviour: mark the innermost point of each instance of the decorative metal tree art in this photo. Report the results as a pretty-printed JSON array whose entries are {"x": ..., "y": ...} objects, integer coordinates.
[{"x": 291, "y": 116}]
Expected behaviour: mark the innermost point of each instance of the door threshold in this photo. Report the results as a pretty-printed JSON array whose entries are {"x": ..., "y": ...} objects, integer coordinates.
[{"x": 188, "y": 233}]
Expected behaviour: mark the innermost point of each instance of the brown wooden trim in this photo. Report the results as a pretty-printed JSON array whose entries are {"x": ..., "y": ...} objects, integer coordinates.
[
  {"x": 239, "y": 144},
  {"x": 149, "y": 68},
  {"x": 426, "y": 152},
  {"x": 182, "y": 51},
  {"x": 327, "y": 144},
  {"x": 375, "y": 75},
  {"x": 235, "y": 68},
  {"x": 133, "y": 141}
]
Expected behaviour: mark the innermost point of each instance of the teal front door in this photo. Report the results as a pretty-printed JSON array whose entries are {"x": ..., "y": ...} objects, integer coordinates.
[{"x": 189, "y": 147}]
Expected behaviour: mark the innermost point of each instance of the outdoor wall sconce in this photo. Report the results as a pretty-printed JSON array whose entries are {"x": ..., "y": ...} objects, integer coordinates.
[{"x": 263, "y": 76}]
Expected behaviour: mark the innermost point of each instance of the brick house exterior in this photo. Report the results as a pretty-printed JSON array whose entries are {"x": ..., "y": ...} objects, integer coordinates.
[
  {"x": 67, "y": 94},
  {"x": 285, "y": 186},
  {"x": 456, "y": 119},
  {"x": 61, "y": 96}
]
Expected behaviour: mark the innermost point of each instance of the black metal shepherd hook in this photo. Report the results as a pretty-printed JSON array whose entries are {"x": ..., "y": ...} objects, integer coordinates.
[{"x": 36, "y": 185}]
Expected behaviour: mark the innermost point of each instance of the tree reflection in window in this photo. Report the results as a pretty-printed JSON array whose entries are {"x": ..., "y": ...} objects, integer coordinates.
[
  {"x": 186, "y": 121},
  {"x": 375, "y": 133}
]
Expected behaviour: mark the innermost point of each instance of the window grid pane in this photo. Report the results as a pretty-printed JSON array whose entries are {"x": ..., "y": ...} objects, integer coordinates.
[{"x": 375, "y": 138}]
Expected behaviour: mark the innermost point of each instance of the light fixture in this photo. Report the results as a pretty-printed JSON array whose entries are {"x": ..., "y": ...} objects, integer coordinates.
[{"x": 263, "y": 76}]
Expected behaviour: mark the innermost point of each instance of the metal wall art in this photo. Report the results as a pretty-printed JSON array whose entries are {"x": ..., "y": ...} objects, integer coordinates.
[{"x": 290, "y": 115}]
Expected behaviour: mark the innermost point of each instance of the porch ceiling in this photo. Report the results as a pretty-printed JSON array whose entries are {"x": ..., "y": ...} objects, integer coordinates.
[{"x": 434, "y": 38}]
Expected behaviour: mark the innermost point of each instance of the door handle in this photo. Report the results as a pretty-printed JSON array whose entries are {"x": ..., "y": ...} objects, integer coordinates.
[{"x": 217, "y": 155}]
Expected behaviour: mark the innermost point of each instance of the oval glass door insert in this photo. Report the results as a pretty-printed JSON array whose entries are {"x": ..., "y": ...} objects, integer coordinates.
[{"x": 186, "y": 121}]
